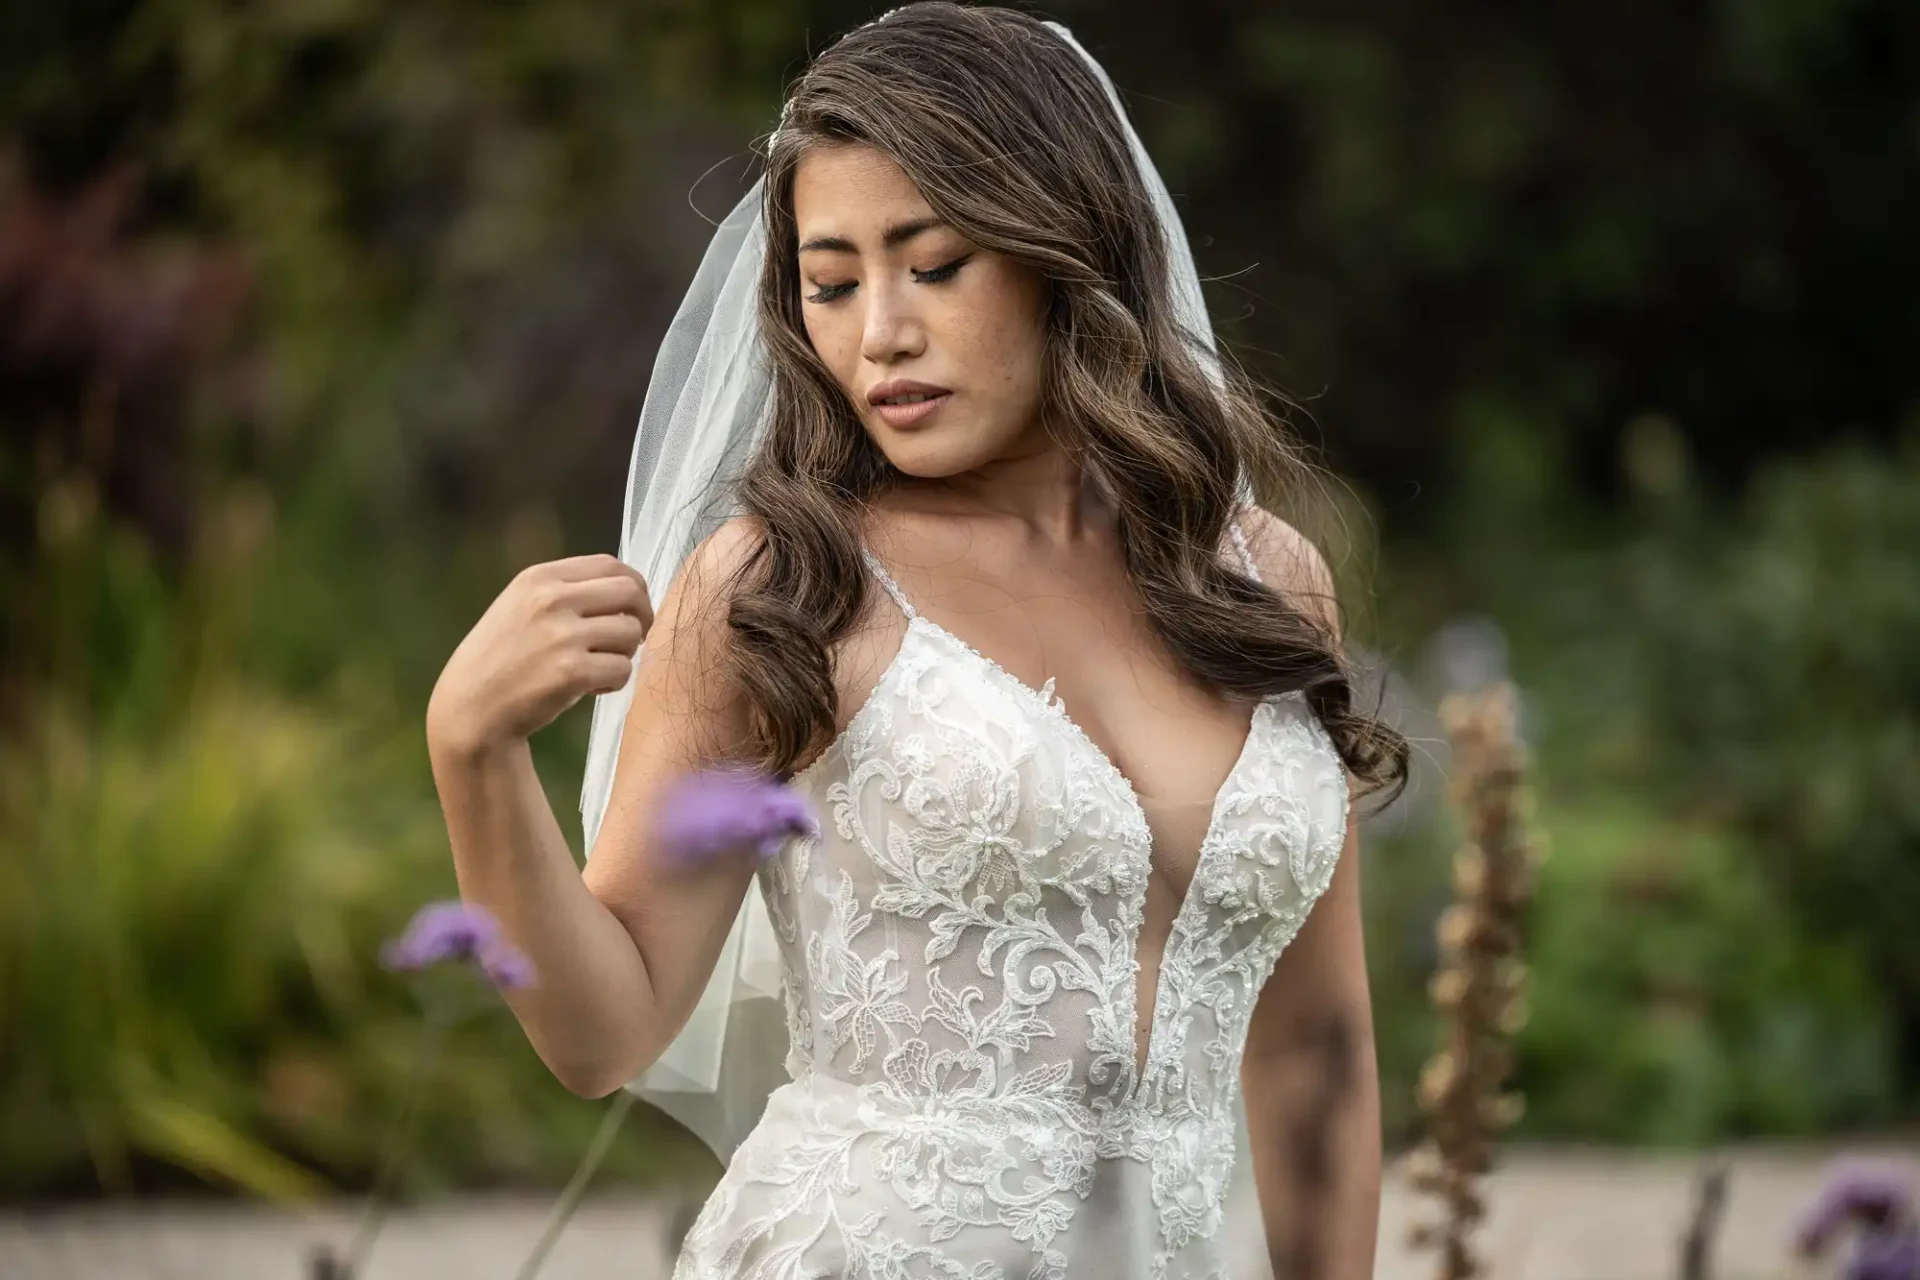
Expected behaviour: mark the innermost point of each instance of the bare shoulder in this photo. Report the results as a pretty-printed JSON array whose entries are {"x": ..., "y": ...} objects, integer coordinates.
[
  {"x": 697, "y": 597},
  {"x": 719, "y": 558},
  {"x": 1291, "y": 564},
  {"x": 683, "y": 663}
]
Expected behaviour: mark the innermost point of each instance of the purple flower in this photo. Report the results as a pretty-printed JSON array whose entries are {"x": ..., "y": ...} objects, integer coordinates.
[
  {"x": 1886, "y": 1255},
  {"x": 1877, "y": 1197},
  {"x": 713, "y": 812},
  {"x": 506, "y": 968},
  {"x": 456, "y": 933}
]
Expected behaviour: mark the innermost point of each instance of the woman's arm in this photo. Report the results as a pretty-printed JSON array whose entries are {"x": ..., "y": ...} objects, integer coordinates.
[
  {"x": 622, "y": 951},
  {"x": 1313, "y": 1094},
  {"x": 1310, "y": 1077}
]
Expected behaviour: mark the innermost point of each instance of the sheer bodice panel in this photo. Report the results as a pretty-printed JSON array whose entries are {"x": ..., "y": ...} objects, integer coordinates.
[{"x": 963, "y": 992}]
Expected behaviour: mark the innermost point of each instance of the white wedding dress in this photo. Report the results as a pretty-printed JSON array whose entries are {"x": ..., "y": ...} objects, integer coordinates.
[{"x": 962, "y": 993}]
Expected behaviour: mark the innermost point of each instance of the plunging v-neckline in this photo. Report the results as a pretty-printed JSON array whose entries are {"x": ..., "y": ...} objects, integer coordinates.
[
  {"x": 1052, "y": 704},
  {"x": 1147, "y": 1002}
]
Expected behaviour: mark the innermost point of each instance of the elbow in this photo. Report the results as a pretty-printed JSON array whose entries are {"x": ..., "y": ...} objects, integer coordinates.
[
  {"x": 593, "y": 1058},
  {"x": 592, "y": 1089},
  {"x": 589, "y": 1080},
  {"x": 592, "y": 1075}
]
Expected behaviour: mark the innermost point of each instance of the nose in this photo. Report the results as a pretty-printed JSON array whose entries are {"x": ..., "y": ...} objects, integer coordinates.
[{"x": 894, "y": 330}]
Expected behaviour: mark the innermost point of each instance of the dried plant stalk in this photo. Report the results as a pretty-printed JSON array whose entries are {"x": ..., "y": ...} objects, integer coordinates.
[
  {"x": 1709, "y": 1205},
  {"x": 1480, "y": 986}
]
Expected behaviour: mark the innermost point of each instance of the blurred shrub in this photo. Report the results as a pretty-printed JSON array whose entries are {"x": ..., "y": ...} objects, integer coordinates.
[
  {"x": 1737, "y": 671},
  {"x": 1675, "y": 998},
  {"x": 186, "y": 909},
  {"x": 195, "y": 874},
  {"x": 1781, "y": 654}
]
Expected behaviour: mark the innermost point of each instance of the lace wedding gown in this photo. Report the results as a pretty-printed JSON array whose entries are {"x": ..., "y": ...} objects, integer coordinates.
[{"x": 962, "y": 990}]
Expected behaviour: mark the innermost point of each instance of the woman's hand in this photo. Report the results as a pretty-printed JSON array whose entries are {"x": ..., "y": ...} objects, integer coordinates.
[
  {"x": 624, "y": 946},
  {"x": 560, "y": 631}
]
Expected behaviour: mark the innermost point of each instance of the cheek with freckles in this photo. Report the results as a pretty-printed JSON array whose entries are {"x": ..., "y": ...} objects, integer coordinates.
[
  {"x": 836, "y": 340},
  {"x": 997, "y": 336}
]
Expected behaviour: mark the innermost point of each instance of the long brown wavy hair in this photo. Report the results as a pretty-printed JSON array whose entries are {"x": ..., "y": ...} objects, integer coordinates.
[{"x": 1013, "y": 141}]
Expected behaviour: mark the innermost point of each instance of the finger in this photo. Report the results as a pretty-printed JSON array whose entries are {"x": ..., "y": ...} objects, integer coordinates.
[
  {"x": 619, "y": 595},
  {"x": 604, "y": 672},
  {"x": 597, "y": 565},
  {"x": 619, "y": 633}
]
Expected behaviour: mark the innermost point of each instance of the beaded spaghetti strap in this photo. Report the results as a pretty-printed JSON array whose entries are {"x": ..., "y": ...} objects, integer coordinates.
[
  {"x": 886, "y": 581},
  {"x": 1240, "y": 545}
]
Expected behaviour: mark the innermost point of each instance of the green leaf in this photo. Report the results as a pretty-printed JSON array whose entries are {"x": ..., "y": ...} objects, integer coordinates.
[{"x": 193, "y": 1139}]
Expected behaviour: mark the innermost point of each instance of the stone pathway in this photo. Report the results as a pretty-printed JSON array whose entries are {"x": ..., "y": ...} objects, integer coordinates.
[{"x": 1555, "y": 1215}]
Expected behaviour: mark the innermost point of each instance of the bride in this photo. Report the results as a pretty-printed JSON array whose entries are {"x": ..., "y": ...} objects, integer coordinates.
[{"x": 950, "y": 495}]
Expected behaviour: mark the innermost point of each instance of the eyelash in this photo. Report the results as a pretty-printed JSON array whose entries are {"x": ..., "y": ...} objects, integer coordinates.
[
  {"x": 933, "y": 275},
  {"x": 940, "y": 275}
]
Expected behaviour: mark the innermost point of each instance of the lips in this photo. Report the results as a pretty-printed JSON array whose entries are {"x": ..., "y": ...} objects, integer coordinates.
[{"x": 901, "y": 402}]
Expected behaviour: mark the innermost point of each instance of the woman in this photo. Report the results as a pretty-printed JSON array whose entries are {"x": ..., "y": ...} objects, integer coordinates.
[{"x": 1074, "y": 715}]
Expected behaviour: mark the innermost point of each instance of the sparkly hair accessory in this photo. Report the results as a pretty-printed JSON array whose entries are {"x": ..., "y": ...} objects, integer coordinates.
[{"x": 786, "y": 107}]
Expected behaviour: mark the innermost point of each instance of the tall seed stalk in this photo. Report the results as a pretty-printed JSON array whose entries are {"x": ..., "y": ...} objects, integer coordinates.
[{"x": 1480, "y": 984}]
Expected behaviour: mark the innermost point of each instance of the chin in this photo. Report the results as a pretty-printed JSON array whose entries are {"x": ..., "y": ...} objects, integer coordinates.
[{"x": 937, "y": 453}]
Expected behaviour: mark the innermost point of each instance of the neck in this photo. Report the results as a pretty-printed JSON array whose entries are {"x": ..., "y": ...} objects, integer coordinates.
[{"x": 1035, "y": 483}]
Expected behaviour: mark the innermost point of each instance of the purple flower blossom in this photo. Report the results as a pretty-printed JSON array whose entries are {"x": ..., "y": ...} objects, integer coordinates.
[
  {"x": 1877, "y": 1198},
  {"x": 714, "y": 812},
  {"x": 1886, "y": 1255},
  {"x": 506, "y": 968},
  {"x": 456, "y": 933}
]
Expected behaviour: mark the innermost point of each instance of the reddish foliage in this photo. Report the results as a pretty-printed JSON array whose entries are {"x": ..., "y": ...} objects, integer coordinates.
[{"x": 106, "y": 337}]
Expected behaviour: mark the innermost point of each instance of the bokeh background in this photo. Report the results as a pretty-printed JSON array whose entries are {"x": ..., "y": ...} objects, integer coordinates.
[{"x": 321, "y": 318}]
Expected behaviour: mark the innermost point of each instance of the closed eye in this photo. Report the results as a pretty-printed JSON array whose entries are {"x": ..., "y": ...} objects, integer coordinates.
[
  {"x": 939, "y": 275},
  {"x": 830, "y": 292},
  {"x": 932, "y": 275}
]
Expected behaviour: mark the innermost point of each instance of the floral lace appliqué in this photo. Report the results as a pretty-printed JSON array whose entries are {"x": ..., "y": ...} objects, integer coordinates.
[{"x": 962, "y": 993}]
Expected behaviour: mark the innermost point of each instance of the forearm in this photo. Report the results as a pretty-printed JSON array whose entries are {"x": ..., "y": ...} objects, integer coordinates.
[
  {"x": 1313, "y": 1118},
  {"x": 588, "y": 1011}
]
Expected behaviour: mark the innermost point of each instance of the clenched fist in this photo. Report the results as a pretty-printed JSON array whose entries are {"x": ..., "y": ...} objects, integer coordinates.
[{"x": 560, "y": 631}]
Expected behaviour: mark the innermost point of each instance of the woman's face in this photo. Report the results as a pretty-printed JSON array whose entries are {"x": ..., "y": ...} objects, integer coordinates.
[{"x": 938, "y": 342}]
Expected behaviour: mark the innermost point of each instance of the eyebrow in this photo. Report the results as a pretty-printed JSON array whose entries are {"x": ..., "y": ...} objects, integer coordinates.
[{"x": 892, "y": 238}]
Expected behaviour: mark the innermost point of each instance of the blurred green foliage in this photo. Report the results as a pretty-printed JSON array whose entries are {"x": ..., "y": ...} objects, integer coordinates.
[
  {"x": 1675, "y": 998},
  {"x": 1721, "y": 698},
  {"x": 1783, "y": 690},
  {"x": 195, "y": 875},
  {"x": 318, "y": 319}
]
